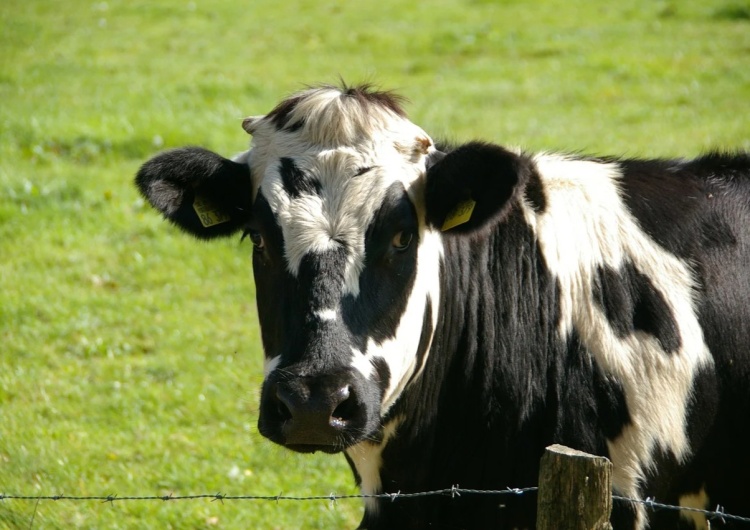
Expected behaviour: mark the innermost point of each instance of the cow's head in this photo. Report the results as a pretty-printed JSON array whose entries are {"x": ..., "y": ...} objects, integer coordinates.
[{"x": 344, "y": 200}]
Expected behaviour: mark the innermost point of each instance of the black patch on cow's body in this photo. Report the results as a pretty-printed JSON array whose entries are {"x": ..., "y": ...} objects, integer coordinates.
[
  {"x": 612, "y": 406},
  {"x": 685, "y": 205},
  {"x": 295, "y": 181},
  {"x": 716, "y": 233},
  {"x": 383, "y": 373},
  {"x": 631, "y": 302},
  {"x": 612, "y": 294},
  {"x": 534, "y": 193}
]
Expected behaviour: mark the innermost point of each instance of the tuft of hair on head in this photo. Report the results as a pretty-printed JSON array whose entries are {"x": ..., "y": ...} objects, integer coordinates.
[
  {"x": 369, "y": 94},
  {"x": 336, "y": 115}
]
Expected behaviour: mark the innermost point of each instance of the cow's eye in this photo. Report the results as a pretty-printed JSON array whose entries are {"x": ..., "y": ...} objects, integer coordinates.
[
  {"x": 402, "y": 240},
  {"x": 255, "y": 237}
]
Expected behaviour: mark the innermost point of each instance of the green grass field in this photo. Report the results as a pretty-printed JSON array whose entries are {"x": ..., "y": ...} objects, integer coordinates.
[{"x": 130, "y": 360}]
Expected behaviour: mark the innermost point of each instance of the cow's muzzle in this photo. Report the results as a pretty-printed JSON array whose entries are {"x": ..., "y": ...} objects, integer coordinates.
[{"x": 315, "y": 413}]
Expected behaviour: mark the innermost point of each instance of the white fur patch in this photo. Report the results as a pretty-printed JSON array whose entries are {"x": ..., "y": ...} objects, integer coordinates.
[
  {"x": 326, "y": 315},
  {"x": 269, "y": 365},
  {"x": 367, "y": 460},
  {"x": 698, "y": 501},
  {"x": 586, "y": 225},
  {"x": 362, "y": 364}
]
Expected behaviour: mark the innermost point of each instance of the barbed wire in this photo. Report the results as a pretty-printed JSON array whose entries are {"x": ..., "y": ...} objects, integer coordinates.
[
  {"x": 454, "y": 491},
  {"x": 718, "y": 514}
]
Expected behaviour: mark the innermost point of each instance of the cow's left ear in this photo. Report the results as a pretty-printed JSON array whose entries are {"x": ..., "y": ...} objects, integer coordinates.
[
  {"x": 473, "y": 185},
  {"x": 200, "y": 191}
]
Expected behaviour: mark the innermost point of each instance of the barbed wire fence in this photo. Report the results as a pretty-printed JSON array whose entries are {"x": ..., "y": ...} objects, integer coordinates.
[
  {"x": 718, "y": 514},
  {"x": 577, "y": 485}
]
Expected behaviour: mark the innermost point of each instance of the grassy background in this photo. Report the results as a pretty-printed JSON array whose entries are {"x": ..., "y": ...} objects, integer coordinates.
[{"x": 129, "y": 354}]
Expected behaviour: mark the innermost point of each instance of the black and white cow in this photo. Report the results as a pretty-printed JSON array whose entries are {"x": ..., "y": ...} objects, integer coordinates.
[{"x": 442, "y": 316}]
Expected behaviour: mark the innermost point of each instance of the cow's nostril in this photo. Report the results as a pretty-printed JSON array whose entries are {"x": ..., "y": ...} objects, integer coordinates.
[
  {"x": 283, "y": 412},
  {"x": 346, "y": 408}
]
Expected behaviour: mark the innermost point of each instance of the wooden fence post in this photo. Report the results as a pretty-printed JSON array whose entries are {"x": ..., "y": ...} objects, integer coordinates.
[{"x": 575, "y": 490}]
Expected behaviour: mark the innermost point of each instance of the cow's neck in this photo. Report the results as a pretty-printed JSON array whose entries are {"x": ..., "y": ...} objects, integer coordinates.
[{"x": 481, "y": 391}]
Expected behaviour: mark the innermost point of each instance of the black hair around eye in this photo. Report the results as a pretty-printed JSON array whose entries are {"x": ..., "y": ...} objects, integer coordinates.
[
  {"x": 402, "y": 240},
  {"x": 255, "y": 237}
]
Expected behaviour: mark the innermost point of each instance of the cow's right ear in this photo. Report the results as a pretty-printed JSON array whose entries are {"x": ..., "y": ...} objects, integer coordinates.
[
  {"x": 472, "y": 186},
  {"x": 200, "y": 191}
]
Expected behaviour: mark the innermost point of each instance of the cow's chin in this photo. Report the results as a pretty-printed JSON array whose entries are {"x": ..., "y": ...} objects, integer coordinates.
[
  {"x": 314, "y": 448},
  {"x": 328, "y": 441}
]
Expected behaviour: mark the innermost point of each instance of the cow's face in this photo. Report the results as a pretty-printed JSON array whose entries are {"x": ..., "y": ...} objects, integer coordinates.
[
  {"x": 343, "y": 199},
  {"x": 345, "y": 266}
]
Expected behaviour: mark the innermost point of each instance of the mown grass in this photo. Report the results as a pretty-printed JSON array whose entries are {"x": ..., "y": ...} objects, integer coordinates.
[{"x": 129, "y": 354}]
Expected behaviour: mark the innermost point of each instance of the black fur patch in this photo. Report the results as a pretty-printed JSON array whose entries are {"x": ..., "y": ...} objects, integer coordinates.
[
  {"x": 280, "y": 115},
  {"x": 716, "y": 233},
  {"x": 383, "y": 373},
  {"x": 611, "y": 404},
  {"x": 632, "y": 303},
  {"x": 321, "y": 278},
  {"x": 388, "y": 276},
  {"x": 296, "y": 126},
  {"x": 295, "y": 181},
  {"x": 534, "y": 193},
  {"x": 684, "y": 205}
]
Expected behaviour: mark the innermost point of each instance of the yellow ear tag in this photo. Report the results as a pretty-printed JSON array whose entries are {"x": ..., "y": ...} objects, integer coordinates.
[
  {"x": 459, "y": 215},
  {"x": 208, "y": 213}
]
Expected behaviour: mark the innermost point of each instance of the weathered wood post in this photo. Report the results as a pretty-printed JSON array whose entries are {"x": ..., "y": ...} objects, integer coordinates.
[{"x": 575, "y": 490}]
